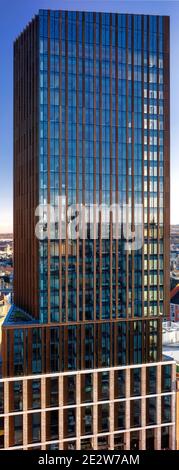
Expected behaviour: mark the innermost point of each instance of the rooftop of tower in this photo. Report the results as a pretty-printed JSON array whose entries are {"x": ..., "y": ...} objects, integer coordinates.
[{"x": 18, "y": 316}]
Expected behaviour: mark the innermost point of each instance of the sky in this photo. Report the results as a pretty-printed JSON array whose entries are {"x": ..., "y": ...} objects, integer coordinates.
[{"x": 14, "y": 16}]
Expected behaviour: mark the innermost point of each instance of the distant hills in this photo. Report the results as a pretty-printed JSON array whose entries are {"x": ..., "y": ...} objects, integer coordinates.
[{"x": 6, "y": 236}]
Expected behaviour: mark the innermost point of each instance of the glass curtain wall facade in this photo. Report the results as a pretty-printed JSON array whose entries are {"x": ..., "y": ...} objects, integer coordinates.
[
  {"x": 91, "y": 124},
  {"x": 101, "y": 99},
  {"x": 101, "y": 128}
]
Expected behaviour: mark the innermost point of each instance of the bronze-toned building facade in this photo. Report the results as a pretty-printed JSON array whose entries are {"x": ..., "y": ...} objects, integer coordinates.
[{"x": 92, "y": 126}]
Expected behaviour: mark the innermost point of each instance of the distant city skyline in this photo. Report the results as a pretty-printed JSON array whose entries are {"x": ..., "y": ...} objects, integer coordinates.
[{"x": 13, "y": 17}]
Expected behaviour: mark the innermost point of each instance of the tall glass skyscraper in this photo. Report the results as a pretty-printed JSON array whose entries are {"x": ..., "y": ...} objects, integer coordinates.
[{"x": 82, "y": 344}]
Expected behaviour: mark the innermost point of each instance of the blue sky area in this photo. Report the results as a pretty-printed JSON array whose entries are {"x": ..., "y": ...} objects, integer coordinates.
[{"x": 14, "y": 15}]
